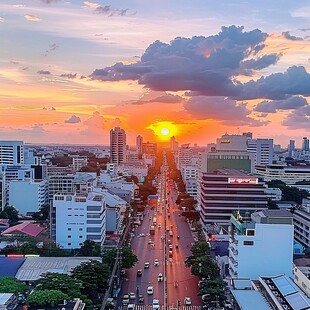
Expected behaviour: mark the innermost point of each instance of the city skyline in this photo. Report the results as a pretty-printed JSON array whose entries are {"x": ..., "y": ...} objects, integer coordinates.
[{"x": 190, "y": 69}]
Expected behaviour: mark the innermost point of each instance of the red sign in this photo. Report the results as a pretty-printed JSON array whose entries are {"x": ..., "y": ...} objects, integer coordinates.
[{"x": 243, "y": 180}]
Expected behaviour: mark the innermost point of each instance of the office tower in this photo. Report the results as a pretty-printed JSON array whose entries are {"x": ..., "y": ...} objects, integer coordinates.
[
  {"x": 226, "y": 190},
  {"x": 118, "y": 145},
  {"x": 12, "y": 152},
  {"x": 291, "y": 148},
  {"x": 149, "y": 148},
  {"x": 262, "y": 246},
  {"x": 305, "y": 144},
  {"x": 139, "y": 141},
  {"x": 185, "y": 155},
  {"x": 173, "y": 144},
  {"x": 262, "y": 150}
]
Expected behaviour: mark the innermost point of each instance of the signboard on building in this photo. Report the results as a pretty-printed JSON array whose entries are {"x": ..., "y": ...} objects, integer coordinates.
[{"x": 243, "y": 180}]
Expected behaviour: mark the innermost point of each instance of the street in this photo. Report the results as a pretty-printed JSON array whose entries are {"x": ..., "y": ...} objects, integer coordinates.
[{"x": 171, "y": 252}]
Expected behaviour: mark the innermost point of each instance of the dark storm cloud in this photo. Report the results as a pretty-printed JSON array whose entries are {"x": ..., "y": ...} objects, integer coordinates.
[
  {"x": 73, "y": 120},
  {"x": 46, "y": 72},
  {"x": 69, "y": 75},
  {"x": 298, "y": 119},
  {"x": 202, "y": 64},
  {"x": 272, "y": 106},
  {"x": 220, "y": 108},
  {"x": 278, "y": 86},
  {"x": 166, "y": 98},
  {"x": 288, "y": 36}
]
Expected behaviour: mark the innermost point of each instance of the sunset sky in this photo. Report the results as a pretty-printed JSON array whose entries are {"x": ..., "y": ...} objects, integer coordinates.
[{"x": 195, "y": 69}]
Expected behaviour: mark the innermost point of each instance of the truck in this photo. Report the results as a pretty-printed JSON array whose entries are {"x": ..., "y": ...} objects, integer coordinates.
[{"x": 152, "y": 230}]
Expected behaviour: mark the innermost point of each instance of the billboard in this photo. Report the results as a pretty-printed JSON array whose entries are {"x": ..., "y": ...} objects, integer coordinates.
[{"x": 243, "y": 180}]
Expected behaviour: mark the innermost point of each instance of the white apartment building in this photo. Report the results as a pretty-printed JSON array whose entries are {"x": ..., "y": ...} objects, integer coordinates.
[
  {"x": 137, "y": 169},
  {"x": 11, "y": 152},
  {"x": 78, "y": 162},
  {"x": 262, "y": 150},
  {"x": 79, "y": 218},
  {"x": 190, "y": 177},
  {"x": 287, "y": 174},
  {"x": 263, "y": 246},
  {"x": 118, "y": 145},
  {"x": 28, "y": 195},
  {"x": 185, "y": 155},
  {"x": 302, "y": 225}
]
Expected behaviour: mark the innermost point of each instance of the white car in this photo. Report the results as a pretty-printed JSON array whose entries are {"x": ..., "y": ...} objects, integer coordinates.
[
  {"x": 187, "y": 301},
  {"x": 125, "y": 299},
  {"x": 132, "y": 295},
  {"x": 160, "y": 277},
  {"x": 159, "y": 226},
  {"x": 155, "y": 304},
  {"x": 156, "y": 262},
  {"x": 147, "y": 265},
  {"x": 131, "y": 306},
  {"x": 150, "y": 290}
]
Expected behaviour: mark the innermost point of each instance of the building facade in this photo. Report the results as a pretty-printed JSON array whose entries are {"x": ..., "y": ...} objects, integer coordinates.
[
  {"x": 228, "y": 190},
  {"x": 118, "y": 145},
  {"x": 11, "y": 152},
  {"x": 79, "y": 218},
  {"x": 263, "y": 246}
]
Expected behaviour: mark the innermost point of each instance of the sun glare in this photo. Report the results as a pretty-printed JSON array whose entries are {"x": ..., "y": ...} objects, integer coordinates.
[{"x": 165, "y": 131}]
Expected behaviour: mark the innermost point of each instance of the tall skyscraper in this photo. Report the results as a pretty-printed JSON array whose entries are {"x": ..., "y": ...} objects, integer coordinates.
[
  {"x": 139, "y": 141},
  {"x": 11, "y": 152},
  {"x": 291, "y": 147},
  {"x": 118, "y": 145},
  {"x": 173, "y": 144},
  {"x": 305, "y": 144}
]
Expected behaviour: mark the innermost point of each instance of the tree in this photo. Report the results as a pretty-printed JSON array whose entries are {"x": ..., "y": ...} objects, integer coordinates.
[
  {"x": 46, "y": 298},
  {"x": 129, "y": 259},
  {"x": 90, "y": 248},
  {"x": 94, "y": 277},
  {"x": 215, "y": 291},
  {"x": 51, "y": 250},
  {"x": 10, "y": 213},
  {"x": 191, "y": 215},
  {"x": 58, "y": 281},
  {"x": 109, "y": 257},
  {"x": 11, "y": 285}
]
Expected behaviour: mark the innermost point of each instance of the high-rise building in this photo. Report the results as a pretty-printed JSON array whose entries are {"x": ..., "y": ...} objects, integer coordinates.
[
  {"x": 11, "y": 152},
  {"x": 262, "y": 150},
  {"x": 173, "y": 145},
  {"x": 149, "y": 148},
  {"x": 139, "y": 141},
  {"x": 185, "y": 155},
  {"x": 226, "y": 190},
  {"x": 262, "y": 246},
  {"x": 291, "y": 148},
  {"x": 118, "y": 145},
  {"x": 305, "y": 144}
]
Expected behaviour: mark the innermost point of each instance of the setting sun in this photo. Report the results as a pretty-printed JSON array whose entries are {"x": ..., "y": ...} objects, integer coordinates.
[{"x": 165, "y": 131}]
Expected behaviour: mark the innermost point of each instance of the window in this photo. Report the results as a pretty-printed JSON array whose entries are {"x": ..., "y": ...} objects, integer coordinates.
[
  {"x": 69, "y": 229},
  {"x": 80, "y": 237},
  {"x": 250, "y": 232},
  {"x": 69, "y": 236},
  {"x": 80, "y": 229},
  {"x": 247, "y": 242},
  {"x": 69, "y": 243}
]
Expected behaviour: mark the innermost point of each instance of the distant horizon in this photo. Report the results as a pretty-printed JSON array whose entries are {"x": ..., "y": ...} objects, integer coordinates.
[{"x": 71, "y": 71}]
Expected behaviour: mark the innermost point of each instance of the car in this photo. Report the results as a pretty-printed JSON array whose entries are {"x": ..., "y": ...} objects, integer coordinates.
[
  {"x": 160, "y": 277},
  {"x": 150, "y": 290},
  {"x": 168, "y": 215},
  {"x": 132, "y": 295},
  {"x": 156, "y": 262},
  {"x": 152, "y": 244},
  {"x": 167, "y": 228},
  {"x": 159, "y": 226},
  {"x": 170, "y": 247},
  {"x": 170, "y": 233},
  {"x": 147, "y": 265},
  {"x": 169, "y": 241},
  {"x": 131, "y": 306},
  {"x": 141, "y": 299},
  {"x": 170, "y": 253},
  {"x": 176, "y": 246},
  {"x": 125, "y": 299},
  {"x": 187, "y": 301},
  {"x": 141, "y": 235},
  {"x": 150, "y": 241},
  {"x": 139, "y": 273},
  {"x": 155, "y": 304},
  {"x": 150, "y": 218}
]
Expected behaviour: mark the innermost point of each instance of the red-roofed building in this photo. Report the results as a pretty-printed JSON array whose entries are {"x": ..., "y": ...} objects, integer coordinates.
[
  {"x": 25, "y": 228},
  {"x": 4, "y": 224}
]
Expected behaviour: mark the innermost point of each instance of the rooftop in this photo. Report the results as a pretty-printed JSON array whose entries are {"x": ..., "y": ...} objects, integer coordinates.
[
  {"x": 250, "y": 299},
  {"x": 26, "y": 228}
]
